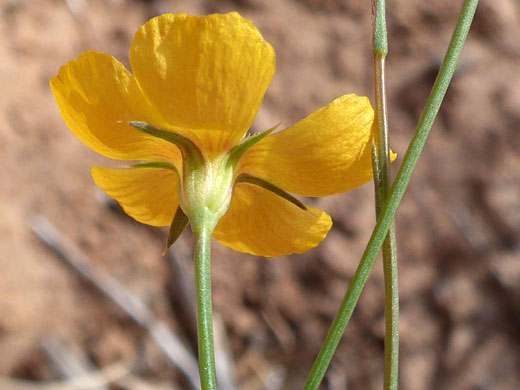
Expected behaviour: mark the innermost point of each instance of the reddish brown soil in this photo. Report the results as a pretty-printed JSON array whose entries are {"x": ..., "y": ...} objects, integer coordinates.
[{"x": 457, "y": 229}]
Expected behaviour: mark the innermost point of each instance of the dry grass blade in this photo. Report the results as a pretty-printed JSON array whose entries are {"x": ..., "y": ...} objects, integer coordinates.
[
  {"x": 72, "y": 365},
  {"x": 168, "y": 343},
  {"x": 91, "y": 381},
  {"x": 224, "y": 359},
  {"x": 76, "y": 7},
  {"x": 337, "y": 378},
  {"x": 66, "y": 363}
]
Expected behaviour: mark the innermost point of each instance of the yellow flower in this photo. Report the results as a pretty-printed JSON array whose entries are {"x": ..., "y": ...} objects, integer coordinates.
[{"x": 196, "y": 87}]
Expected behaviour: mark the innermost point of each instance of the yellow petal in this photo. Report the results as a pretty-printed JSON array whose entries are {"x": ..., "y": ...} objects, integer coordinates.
[
  {"x": 326, "y": 153},
  {"x": 261, "y": 223},
  {"x": 97, "y": 96},
  {"x": 148, "y": 195},
  {"x": 207, "y": 75}
]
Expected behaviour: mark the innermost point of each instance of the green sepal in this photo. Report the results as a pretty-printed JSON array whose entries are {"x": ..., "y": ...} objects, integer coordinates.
[
  {"x": 189, "y": 150},
  {"x": 156, "y": 164},
  {"x": 238, "y": 151},
  {"x": 180, "y": 220},
  {"x": 247, "y": 178}
]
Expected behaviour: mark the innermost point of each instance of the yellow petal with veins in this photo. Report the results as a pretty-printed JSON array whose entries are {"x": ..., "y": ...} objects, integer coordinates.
[
  {"x": 97, "y": 96},
  {"x": 206, "y": 75},
  {"x": 264, "y": 224},
  {"x": 149, "y": 195},
  {"x": 326, "y": 153}
]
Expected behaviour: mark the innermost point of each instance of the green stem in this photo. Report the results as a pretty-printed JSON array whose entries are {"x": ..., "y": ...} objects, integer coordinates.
[
  {"x": 397, "y": 191},
  {"x": 202, "y": 256},
  {"x": 382, "y": 182}
]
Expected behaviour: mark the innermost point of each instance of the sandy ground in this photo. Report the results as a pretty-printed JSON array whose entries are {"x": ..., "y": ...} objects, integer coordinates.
[{"x": 457, "y": 229}]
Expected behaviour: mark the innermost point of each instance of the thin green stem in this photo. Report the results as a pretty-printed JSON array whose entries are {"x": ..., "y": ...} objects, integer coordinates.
[
  {"x": 202, "y": 255},
  {"x": 391, "y": 312},
  {"x": 397, "y": 191},
  {"x": 382, "y": 182}
]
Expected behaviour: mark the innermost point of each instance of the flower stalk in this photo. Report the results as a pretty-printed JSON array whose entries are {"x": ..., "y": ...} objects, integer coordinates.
[
  {"x": 395, "y": 196},
  {"x": 202, "y": 257},
  {"x": 382, "y": 182}
]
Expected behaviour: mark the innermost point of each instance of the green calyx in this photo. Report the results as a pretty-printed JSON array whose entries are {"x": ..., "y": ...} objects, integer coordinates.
[
  {"x": 206, "y": 192},
  {"x": 206, "y": 184}
]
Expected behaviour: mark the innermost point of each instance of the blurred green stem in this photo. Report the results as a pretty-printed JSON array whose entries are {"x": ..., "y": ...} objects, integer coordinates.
[
  {"x": 395, "y": 196},
  {"x": 202, "y": 257},
  {"x": 382, "y": 181}
]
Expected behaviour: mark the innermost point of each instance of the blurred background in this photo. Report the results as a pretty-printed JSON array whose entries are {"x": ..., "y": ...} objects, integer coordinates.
[{"x": 85, "y": 293}]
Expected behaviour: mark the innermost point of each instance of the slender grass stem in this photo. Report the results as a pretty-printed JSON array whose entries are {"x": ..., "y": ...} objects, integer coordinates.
[
  {"x": 202, "y": 256},
  {"x": 382, "y": 182},
  {"x": 393, "y": 200}
]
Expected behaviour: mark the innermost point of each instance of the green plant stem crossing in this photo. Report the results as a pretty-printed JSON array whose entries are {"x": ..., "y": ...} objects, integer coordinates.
[
  {"x": 382, "y": 182},
  {"x": 390, "y": 206}
]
